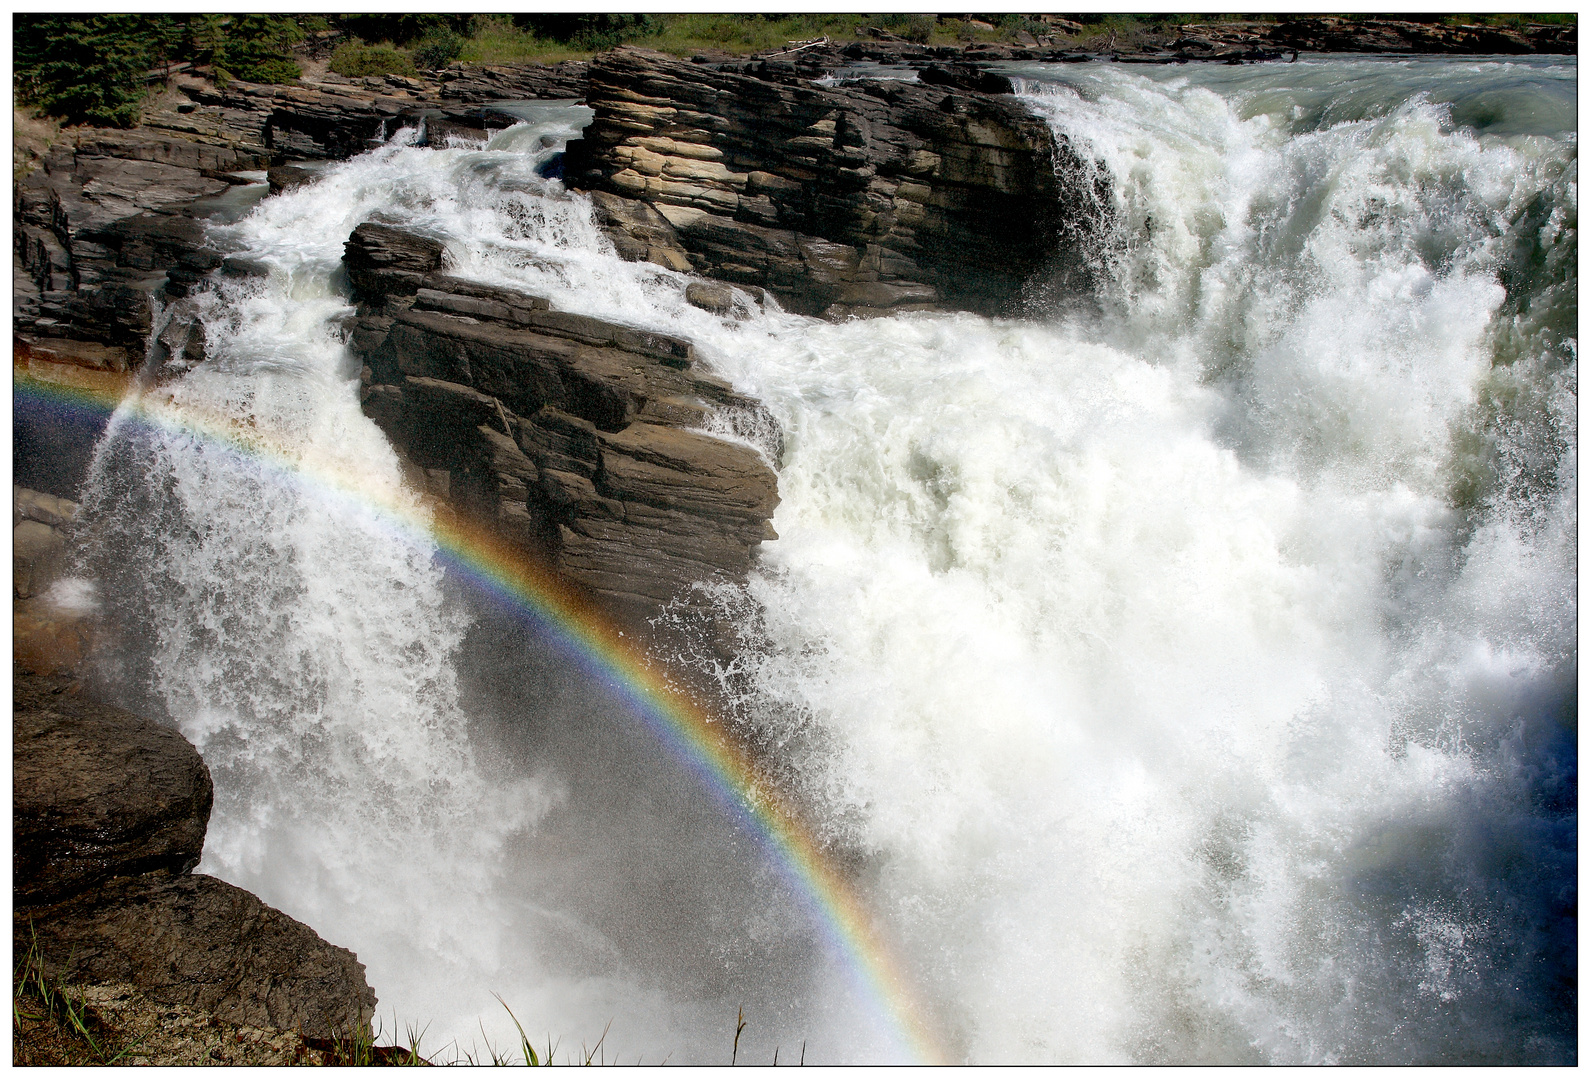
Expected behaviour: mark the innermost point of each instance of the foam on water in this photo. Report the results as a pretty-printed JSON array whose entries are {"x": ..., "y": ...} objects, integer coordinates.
[{"x": 1188, "y": 680}]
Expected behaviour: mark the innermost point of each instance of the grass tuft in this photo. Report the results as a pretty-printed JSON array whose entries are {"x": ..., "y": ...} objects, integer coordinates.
[{"x": 46, "y": 1020}]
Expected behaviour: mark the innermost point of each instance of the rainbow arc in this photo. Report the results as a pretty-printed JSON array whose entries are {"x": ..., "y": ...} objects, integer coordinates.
[{"x": 685, "y": 729}]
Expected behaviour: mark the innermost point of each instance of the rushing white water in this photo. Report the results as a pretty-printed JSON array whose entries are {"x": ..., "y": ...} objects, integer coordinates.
[{"x": 1191, "y": 678}]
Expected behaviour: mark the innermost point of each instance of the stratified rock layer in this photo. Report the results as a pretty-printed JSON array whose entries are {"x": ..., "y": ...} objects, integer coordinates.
[
  {"x": 506, "y": 82},
  {"x": 569, "y": 435},
  {"x": 873, "y": 195},
  {"x": 103, "y": 225}
]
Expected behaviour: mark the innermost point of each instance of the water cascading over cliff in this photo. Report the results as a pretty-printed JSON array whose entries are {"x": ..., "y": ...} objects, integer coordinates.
[{"x": 1184, "y": 676}]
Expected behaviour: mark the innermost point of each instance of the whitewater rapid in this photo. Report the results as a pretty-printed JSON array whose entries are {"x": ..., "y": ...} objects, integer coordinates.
[{"x": 1188, "y": 677}]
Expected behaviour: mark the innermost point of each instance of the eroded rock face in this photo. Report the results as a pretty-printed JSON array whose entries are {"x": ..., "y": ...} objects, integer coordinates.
[
  {"x": 569, "y": 434},
  {"x": 99, "y": 793},
  {"x": 190, "y": 939},
  {"x": 96, "y": 235},
  {"x": 864, "y": 197}
]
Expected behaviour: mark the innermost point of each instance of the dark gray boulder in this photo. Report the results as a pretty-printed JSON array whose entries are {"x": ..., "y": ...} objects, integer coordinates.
[
  {"x": 98, "y": 793},
  {"x": 286, "y": 177}
]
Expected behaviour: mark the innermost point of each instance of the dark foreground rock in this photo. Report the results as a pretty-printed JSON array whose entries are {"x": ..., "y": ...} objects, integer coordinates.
[
  {"x": 877, "y": 195},
  {"x": 98, "y": 793},
  {"x": 189, "y": 939},
  {"x": 571, "y": 436},
  {"x": 109, "y": 815}
]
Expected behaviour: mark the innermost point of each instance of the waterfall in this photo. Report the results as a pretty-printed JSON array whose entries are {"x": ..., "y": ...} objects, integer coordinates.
[{"x": 1190, "y": 678}]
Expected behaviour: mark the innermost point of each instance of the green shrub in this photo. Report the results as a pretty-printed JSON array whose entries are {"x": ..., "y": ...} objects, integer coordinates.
[
  {"x": 355, "y": 59},
  {"x": 591, "y": 31},
  {"x": 1012, "y": 26},
  {"x": 919, "y": 28},
  {"x": 89, "y": 69},
  {"x": 437, "y": 50},
  {"x": 258, "y": 48}
]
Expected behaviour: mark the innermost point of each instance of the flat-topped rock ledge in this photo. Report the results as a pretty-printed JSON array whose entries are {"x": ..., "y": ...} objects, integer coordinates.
[
  {"x": 572, "y": 436},
  {"x": 109, "y": 816},
  {"x": 872, "y": 196}
]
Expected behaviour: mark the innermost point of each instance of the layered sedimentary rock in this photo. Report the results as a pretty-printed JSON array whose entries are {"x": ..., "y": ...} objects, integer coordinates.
[
  {"x": 104, "y": 223},
  {"x": 312, "y": 122},
  {"x": 507, "y": 82},
  {"x": 572, "y": 436},
  {"x": 109, "y": 816},
  {"x": 870, "y": 195}
]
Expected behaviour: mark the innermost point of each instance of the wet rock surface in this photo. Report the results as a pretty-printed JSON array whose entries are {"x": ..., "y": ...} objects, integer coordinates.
[{"x": 873, "y": 195}]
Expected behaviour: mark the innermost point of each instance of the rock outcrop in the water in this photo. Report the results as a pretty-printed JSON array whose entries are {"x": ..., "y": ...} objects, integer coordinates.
[
  {"x": 572, "y": 436},
  {"x": 871, "y": 195},
  {"x": 108, "y": 817}
]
